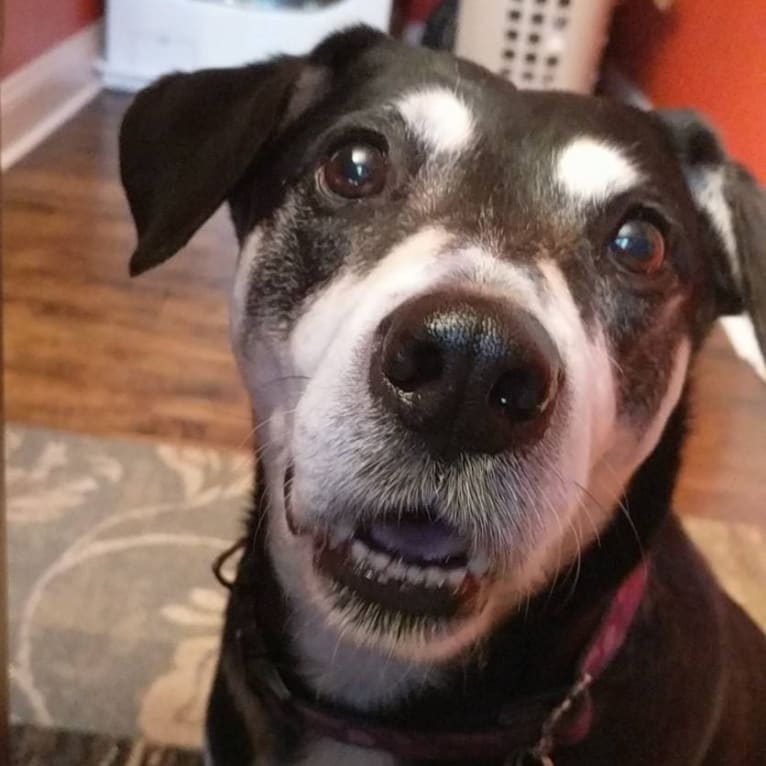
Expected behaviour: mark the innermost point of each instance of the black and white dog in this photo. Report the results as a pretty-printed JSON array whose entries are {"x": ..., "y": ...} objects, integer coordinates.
[{"x": 466, "y": 317}]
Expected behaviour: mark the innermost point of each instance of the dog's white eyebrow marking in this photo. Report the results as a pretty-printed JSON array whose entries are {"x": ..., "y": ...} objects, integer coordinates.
[
  {"x": 439, "y": 117},
  {"x": 706, "y": 183},
  {"x": 591, "y": 171}
]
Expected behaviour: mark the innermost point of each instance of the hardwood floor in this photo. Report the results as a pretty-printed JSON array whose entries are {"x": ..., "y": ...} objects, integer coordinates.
[
  {"x": 88, "y": 349},
  {"x": 724, "y": 471}
]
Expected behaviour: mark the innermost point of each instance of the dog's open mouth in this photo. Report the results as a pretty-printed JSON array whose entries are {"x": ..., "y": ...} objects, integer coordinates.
[{"x": 409, "y": 563}]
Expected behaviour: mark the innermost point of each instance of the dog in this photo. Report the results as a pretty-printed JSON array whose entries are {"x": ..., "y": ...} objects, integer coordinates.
[{"x": 466, "y": 317}]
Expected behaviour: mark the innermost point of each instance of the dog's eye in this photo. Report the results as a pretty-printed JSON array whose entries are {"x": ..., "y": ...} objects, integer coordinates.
[
  {"x": 639, "y": 245},
  {"x": 354, "y": 171}
]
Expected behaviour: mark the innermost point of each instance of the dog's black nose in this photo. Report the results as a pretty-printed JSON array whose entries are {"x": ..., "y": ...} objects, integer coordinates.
[{"x": 466, "y": 372}]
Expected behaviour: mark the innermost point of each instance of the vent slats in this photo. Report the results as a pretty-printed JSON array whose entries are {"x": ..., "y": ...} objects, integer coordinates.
[{"x": 534, "y": 41}]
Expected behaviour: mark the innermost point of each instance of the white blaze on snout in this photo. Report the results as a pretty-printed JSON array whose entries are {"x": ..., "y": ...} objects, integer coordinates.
[
  {"x": 591, "y": 414},
  {"x": 350, "y": 308},
  {"x": 334, "y": 435},
  {"x": 591, "y": 171},
  {"x": 439, "y": 118},
  {"x": 585, "y": 355}
]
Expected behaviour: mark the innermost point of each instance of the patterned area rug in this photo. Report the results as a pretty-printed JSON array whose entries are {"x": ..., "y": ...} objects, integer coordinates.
[
  {"x": 37, "y": 746},
  {"x": 114, "y": 611},
  {"x": 115, "y": 614}
]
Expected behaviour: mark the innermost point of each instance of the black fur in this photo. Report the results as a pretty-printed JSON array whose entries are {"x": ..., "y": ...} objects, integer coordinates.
[{"x": 689, "y": 686}]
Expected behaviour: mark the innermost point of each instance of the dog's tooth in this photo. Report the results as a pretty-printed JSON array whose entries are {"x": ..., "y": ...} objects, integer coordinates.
[
  {"x": 456, "y": 576},
  {"x": 359, "y": 551},
  {"x": 415, "y": 575},
  {"x": 435, "y": 577},
  {"x": 478, "y": 564},
  {"x": 397, "y": 570},
  {"x": 379, "y": 561}
]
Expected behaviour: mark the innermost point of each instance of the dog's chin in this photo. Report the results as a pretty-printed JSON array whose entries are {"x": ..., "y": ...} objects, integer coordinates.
[{"x": 408, "y": 583}]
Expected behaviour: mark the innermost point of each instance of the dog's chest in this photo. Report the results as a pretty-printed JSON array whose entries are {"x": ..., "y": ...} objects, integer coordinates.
[{"x": 327, "y": 752}]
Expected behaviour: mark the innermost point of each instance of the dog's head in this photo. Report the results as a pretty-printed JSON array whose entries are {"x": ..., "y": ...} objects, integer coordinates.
[{"x": 464, "y": 313}]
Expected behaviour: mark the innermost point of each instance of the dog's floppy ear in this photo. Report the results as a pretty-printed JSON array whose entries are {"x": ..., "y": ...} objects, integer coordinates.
[
  {"x": 748, "y": 204},
  {"x": 733, "y": 207},
  {"x": 186, "y": 141}
]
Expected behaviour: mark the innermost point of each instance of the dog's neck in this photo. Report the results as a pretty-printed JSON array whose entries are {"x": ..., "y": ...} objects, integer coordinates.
[{"x": 532, "y": 652}]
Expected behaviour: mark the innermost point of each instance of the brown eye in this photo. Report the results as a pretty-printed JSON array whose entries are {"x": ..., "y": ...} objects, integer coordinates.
[
  {"x": 354, "y": 171},
  {"x": 639, "y": 246}
]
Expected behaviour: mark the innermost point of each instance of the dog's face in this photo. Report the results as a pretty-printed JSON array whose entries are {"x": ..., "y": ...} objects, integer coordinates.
[{"x": 464, "y": 314}]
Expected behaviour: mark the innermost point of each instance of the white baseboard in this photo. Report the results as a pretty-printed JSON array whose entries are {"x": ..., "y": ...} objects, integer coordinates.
[
  {"x": 44, "y": 94},
  {"x": 739, "y": 329}
]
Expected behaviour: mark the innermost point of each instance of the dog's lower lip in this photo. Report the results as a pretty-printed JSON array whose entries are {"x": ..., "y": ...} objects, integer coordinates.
[
  {"x": 403, "y": 581},
  {"x": 414, "y": 565},
  {"x": 399, "y": 594}
]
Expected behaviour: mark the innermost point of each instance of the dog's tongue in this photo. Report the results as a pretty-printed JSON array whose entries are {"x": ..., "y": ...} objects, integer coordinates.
[{"x": 418, "y": 539}]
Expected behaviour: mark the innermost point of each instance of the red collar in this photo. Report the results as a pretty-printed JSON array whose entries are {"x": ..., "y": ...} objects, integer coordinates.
[{"x": 525, "y": 733}]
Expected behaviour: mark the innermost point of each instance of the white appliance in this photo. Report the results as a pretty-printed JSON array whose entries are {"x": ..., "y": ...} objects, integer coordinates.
[
  {"x": 536, "y": 43},
  {"x": 148, "y": 38}
]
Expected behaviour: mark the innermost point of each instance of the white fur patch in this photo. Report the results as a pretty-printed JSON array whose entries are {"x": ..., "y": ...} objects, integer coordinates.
[
  {"x": 591, "y": 416},
  {"x": 327, "y": 752},
  {"x": 329, "y": 429},
  {"x": 742, "y": 336},
  {"x": 439, "y": 117},
  {"x": 348, "y": 309},
  {"x": 311, "y": 85},
  {"x": 590, "y": 171},
  {"x": 707, "y": 187},
  {"x": 241, "y": 285},
  {"x": 331, "y": 434}
]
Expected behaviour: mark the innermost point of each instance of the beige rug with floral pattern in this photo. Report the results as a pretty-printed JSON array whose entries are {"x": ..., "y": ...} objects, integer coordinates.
[{"x": 114, "y": 612}]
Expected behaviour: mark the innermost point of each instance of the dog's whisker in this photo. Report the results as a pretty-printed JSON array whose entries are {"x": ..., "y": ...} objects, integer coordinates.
[
  {"x": 578, "y": 560},
  {"x": 623, "y": 500},
  {"x": 582, "y": 506},
  {"x": 283, "y": 379},
  {"x": 625, "y": 511},
  {"x": 262, "y": 446}
]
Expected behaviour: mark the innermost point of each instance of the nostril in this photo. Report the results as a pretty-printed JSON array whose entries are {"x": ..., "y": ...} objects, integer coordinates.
[
  {"x": 412, "y": 364},
  {"x": 466, "y": 373},
  {"x": 522, "y": 393}
]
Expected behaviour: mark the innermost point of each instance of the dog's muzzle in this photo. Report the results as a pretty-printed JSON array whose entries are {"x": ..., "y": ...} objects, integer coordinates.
[
  {"x": 462, "y": 374},
  {"x": 466, "y": 373}
]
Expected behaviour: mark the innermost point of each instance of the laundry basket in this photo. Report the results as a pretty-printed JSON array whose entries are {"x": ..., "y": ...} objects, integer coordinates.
[
  {"x": 149, "y": 38},
  {"x": 536, "y": 43}
]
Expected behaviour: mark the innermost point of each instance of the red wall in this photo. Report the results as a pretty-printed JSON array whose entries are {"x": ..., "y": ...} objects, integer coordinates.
[
  {"x": 31, "y": 27},
  {"x": 706, "y": 54}
]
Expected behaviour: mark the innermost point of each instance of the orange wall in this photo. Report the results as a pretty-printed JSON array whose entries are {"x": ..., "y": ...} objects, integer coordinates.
[
  {"x": 31, "y": 27},
  {"x": 705, "y": 54}
]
